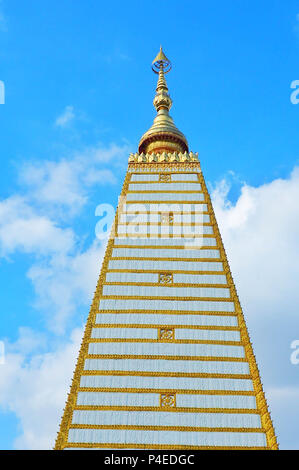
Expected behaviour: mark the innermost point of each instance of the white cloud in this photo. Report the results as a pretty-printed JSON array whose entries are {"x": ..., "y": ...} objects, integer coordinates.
[
  {"x": 61, "y": 272},
  {"x": 23, "y": 229},
  {"x": 36, "y": 389},
  {"x": 66, "y": 117},
  {"x": 261, "y": 233},
  {"x": 65, "y": 284},
  {"x": 28, "y": 342},
  {"x": 284, "y": 404},
  {"x": 115, "y": 155},
  {"x": 94, "y": 176},
  {"x": 55, "y": 183},
  {"x": 64, "y": 185},
  {"x": 40, "y": 223}
]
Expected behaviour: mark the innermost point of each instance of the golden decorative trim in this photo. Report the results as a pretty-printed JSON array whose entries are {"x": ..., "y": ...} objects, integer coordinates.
[
  {"x": 150, "y": 325},
  {"x": 141, "y": 168},
  {"x": 168, "y": 357},
  {"x": 181, "y": 260},
  {"x": 157, "y": 284},
  {"x": 168, "y": 247},
  {"x": 161, "y": 143},
  {"x": 165, "y": 177},
  {"x": 165, "y": 279},
  {"x": 153, "y": 271},
  {"x": 198, "y": 375},
  {"x": 160, "y": 338},
  {"x": 159, "y": 181},
  {"x": 165, "y": 191},
  {"x": 183, "y": 212},
  {"x": 169, "y": 157},
  {"x": 166, "y": 218},
  {"x": 174, "y": 409},
  {"x": 156, "y": 446},
  {"x": 167, "y": 334},
  {"x": 159, "y": 201},
  {"x": 165, "y": 428},
  {"x": 157, "y": 297},
  {"x": 178, "y": 392},
  {"x": 167, "y": 400},
  {"x": 156, "y": 169},
  {"x": 167, "y": 236},
  {"x": 171, "y": 312}
]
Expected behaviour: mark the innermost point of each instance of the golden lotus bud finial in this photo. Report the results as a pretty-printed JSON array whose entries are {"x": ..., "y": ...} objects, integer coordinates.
[{"x": 163, "y": 136}]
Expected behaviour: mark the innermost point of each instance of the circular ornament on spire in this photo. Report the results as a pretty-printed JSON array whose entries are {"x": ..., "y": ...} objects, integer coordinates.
[{"x": 161, "y": 63}]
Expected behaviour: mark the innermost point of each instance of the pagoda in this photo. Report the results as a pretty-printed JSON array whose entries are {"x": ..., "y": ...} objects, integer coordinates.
[{"x": 166, "y": 361}]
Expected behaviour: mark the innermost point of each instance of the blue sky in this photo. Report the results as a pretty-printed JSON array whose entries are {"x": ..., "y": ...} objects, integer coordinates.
[{"x": 78, "y": 97}]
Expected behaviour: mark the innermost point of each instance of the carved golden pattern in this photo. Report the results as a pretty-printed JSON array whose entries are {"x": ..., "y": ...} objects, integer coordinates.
[
  {"x": 164, "y": 177},
  {"x": 164, "y": 157},
  {"x": 166, "y": 218},
  {"x": 167, "y": 334},
  {"x": 165, "y": 278},
  {"x": 173, "y": 168},
  {"x": 167, "y": 400}
]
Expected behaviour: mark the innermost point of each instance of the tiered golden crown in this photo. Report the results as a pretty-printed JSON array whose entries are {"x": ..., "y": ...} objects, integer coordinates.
[{"x": 163, "y": 136}]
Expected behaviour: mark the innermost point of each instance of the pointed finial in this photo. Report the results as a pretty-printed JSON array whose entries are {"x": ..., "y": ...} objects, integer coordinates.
[{"x": 161, "y": 63}]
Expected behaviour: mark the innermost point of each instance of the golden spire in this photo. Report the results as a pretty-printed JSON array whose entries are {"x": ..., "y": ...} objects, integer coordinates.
[{"x": 163, "y": 136}]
